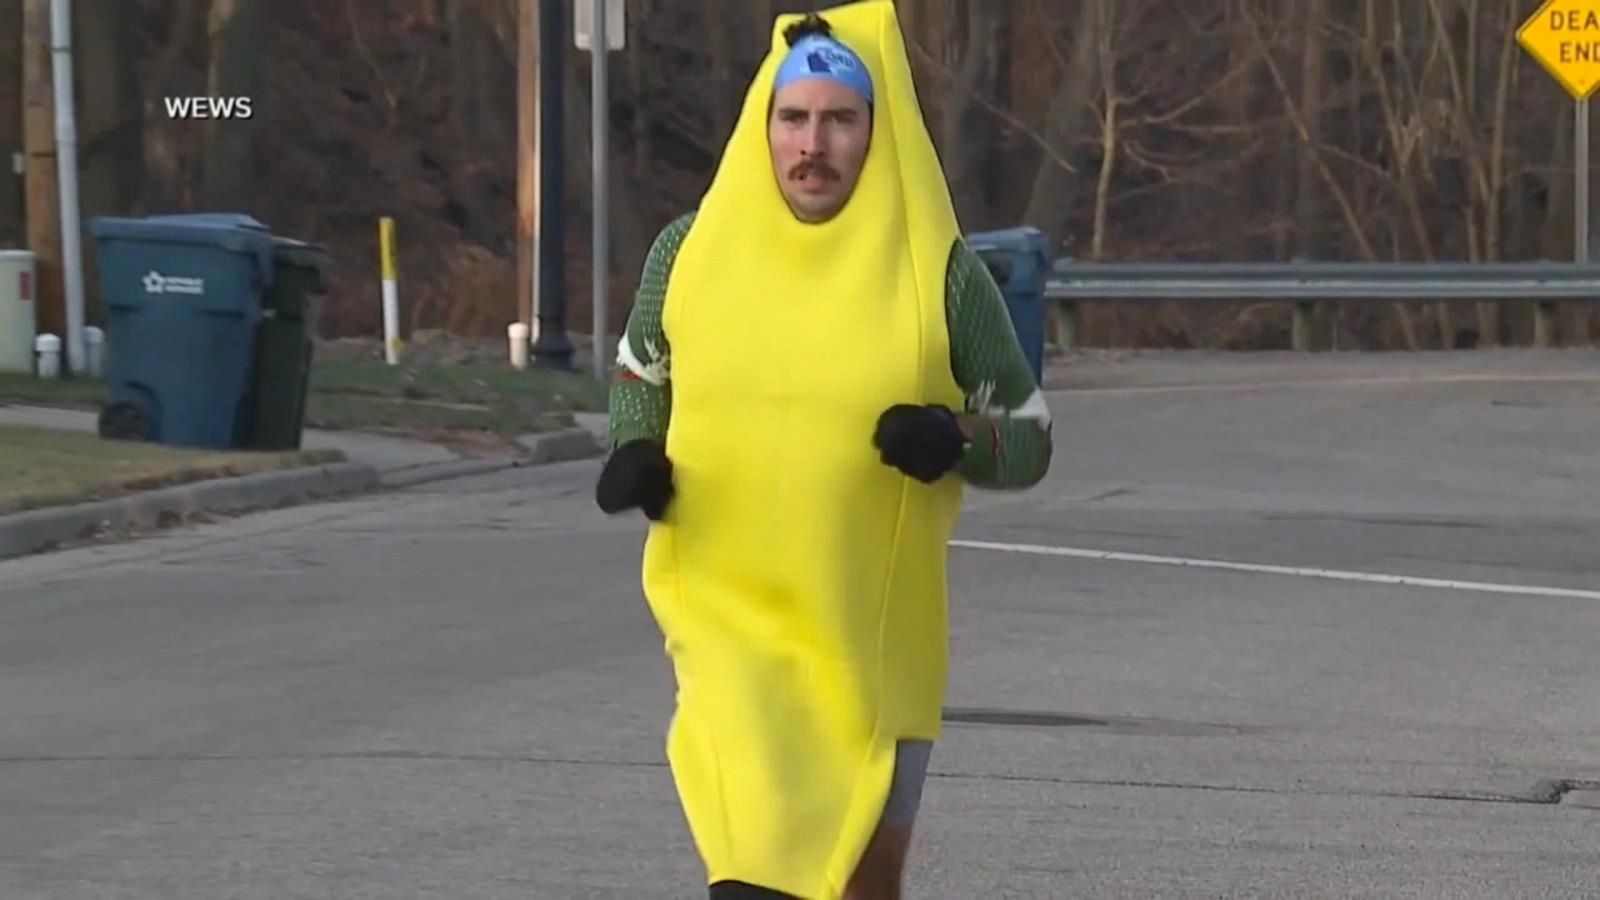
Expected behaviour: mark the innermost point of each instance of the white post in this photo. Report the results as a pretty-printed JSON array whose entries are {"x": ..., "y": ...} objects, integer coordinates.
[
  {"x": 1580, "y": 164},
  {"x": 391, "y": 298},
  {"x": 67, "y": 179},
  {"x": 517, "y": 335},
  {"x": 47, "y": 348},
  {"x": 94, "y": 344}
]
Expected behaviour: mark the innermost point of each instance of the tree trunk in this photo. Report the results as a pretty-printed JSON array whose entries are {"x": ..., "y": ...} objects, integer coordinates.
[
  {"x": 643, "y": 146},
  {"x": 461, "y": 87},
  {"x": 234, "y": 29},
  {"x": 1308, "y": 212},
  {"x": 718, "y": 67},
  {"x": 1051, "y": 199},
  {"x": 471, "y": 40},
  {"x": 1107, "y": 54},
  {"x": 967, "y": 143},
  {"x": 108, "y": 121},
  {"x": 1268, "y": 195},
  {"x": 163, "y": 183}
]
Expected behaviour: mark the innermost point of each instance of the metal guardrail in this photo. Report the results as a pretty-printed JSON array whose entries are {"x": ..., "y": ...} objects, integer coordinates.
[{"x": 1070, "y": 283}]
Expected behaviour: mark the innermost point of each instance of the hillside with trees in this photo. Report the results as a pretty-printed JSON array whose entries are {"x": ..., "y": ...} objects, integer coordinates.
[{"x": 1125, "y": 129}]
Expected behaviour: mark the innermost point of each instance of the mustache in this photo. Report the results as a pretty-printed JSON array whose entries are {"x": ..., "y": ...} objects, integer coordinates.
[{"x": 810, "y": 166}]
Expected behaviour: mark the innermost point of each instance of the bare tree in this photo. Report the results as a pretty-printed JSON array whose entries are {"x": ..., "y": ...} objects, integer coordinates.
[
  {"x": 1049, "y": 202},
  {"x": 234, "y": 28},
  {"x": 110, "y": 114},
  {"x": 1110, "y": 99},
  {"x": 967, "y": 143},
  {"x": 1308, "y": 212},
  {"x": 471, "y": 43},
  {"x": 165, "y": 183}
]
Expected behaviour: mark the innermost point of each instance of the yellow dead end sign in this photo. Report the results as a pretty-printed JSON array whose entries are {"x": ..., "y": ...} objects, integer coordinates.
[{"x": 1564, "y": 36}]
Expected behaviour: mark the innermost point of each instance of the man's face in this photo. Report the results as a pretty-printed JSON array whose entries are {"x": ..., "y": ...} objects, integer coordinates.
[{"x": 819, "y": 132}]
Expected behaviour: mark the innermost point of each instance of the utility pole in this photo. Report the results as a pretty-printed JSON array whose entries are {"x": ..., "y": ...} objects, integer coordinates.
[
  {"x": 553, "y": 349},
  {"x": 527, "y": 155},
  {"x": 597, "y": 30},
  {"x": 39, "y": 150},
  {"x": 11, "y": 217}
]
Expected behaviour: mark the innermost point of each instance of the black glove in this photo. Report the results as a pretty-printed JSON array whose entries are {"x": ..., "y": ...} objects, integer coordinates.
[
  {"x": 924, "y": 442},
  {"x": 638, "y": 474}
]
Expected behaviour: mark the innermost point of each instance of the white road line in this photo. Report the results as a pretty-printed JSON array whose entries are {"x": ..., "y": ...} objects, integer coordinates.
[
  {"x": 1069, "y": 389},
  {"x": 1294, "y": 571}
]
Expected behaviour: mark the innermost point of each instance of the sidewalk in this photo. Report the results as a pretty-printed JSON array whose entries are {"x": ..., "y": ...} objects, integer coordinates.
[{"x": 372, "y": 462}]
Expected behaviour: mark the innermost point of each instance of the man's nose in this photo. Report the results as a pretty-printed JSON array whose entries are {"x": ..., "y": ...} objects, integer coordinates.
[{"x": 811, "y": 140}]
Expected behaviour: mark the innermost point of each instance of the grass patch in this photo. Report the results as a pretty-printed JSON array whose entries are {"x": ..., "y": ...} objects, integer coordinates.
[
  {"x": 42, "y": 467},
  {"x": 74, "y": 393},
  {"x": 460, "y": 383},
  {"x": 361, "y": 394},
  {"x": 355, "y": 412},
  {"x": 467, "y": 396}
]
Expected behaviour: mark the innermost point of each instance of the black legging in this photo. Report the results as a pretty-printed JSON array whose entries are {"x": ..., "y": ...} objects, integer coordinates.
[{"x": 738, "y": 890}]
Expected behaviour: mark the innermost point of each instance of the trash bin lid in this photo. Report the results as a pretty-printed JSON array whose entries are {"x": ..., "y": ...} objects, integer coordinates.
[
  {"x": 213, "y": 219},
  {"x": 300, "y": 253},
  {"x": 237, "y": 232},
  {"x": 1022, "y": 239}
]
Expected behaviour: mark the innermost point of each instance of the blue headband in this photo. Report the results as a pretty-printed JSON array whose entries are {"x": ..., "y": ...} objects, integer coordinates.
[{"x": 816, "y": 56}]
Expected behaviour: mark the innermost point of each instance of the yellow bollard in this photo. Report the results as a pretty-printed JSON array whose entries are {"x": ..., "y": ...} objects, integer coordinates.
[{"x": 391, "y": 299}]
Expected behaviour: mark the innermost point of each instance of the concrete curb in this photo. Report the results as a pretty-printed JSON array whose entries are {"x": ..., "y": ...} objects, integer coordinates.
[
  {"x": 40, "y": 530},
  {"x": 565, "y": 445},
  {"x": 36, "y": 531},
  {"x": 427, "y": 473}
]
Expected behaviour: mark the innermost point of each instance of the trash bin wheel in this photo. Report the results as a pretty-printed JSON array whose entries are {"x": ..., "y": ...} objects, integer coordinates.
[{"x": 125, "y": 422}]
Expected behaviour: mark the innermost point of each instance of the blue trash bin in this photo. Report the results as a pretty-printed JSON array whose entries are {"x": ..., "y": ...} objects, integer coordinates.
[
  {"x": 183, "y": 299},
  {"x": 1019, "y": 260}
]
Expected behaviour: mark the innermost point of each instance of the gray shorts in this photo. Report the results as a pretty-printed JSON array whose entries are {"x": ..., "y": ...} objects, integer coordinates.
[{"x": 905, "y": 790}]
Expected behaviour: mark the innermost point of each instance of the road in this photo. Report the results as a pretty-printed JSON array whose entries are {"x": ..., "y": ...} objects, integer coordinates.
[{"x": 456, "y": 692}]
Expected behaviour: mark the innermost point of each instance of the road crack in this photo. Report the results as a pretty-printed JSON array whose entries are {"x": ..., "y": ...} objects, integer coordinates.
[{"x": 1544, "y": 793}]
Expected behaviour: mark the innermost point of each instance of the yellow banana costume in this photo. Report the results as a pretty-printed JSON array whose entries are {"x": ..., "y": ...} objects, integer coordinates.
[{"x": 799, "y": 582}]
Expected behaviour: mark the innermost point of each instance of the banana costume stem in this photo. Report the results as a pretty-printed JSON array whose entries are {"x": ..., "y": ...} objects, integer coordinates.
[{"x": 799, "y": 583}]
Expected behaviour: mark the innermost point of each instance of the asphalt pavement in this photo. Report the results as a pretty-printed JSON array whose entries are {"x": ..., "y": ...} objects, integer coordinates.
[{"x": 1273, "y": 627}]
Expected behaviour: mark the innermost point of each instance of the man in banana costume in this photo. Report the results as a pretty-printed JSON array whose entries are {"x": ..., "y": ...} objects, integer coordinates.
[{"x": 814, "y": 367}]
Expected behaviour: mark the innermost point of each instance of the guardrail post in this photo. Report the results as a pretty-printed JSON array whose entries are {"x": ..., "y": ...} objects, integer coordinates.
[
  {"x": 1304, "y": 317},
  {"x": 1069, "y": 324},
  {"x": 1544, "y": 324}
]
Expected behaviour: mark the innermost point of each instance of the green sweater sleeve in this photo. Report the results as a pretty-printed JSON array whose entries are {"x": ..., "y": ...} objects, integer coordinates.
[
  {"x": 641, "y": 387},
  {"x": 1012, "y": 447}
]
